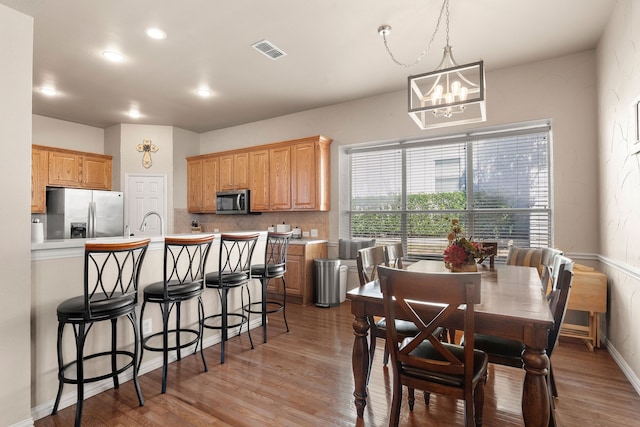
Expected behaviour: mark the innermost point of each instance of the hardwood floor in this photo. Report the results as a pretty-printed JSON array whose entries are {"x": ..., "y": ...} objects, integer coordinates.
[{"x": 304, "y": 378}]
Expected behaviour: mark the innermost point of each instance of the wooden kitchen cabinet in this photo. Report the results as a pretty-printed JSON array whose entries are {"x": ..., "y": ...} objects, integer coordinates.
[
  {"x": 300, "y": 272},
  {"x": 202, "y": 182},
  {"x": 283, "y": 176},
  {"x": 74, "y": 169},
  {"x": 234, "y": 171},
  {"x": 280, "y": 178},
  {"x": 259, "y": 180},
  {"x": 39, "y": 176}
]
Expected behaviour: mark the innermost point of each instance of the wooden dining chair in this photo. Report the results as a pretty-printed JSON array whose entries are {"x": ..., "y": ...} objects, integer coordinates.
[
  {"x": 528, "y": 257},
  {"x": 368, "y": 260},
  {"x": 503, "y": 351},
  {"x": 423, "y": 361},
  {"x": 393, "y": 254},
  {"x": 547, "y": 260}
]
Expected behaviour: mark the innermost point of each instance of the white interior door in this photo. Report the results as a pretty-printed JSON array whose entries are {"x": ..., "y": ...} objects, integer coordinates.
[{"x": 145, "y": 193}]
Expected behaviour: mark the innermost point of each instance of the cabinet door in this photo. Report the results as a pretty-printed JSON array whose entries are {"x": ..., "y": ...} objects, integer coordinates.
[
  {"x": 259, "y": 180},
  {"x": 38, "y": 180},
  {"x": 295, "y": 275},
  {"x": 226, "y": 172},
  {"x": 96, "y": 173},
  {"x": 303, "y": 176},
  {"x": 280, "y": 178},
  {"x": 209, "y": 183},
  {"x": 194, "y": 185},
  {"x": 64, "y": 169},
  {"x": 241, "y": 171}
]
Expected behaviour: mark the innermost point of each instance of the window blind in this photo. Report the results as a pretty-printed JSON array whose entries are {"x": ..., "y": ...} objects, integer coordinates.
[{"x": 497, "y": 185}]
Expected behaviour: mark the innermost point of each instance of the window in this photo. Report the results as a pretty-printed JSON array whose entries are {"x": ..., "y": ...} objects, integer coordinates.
[{"x": 496, "y": 183}]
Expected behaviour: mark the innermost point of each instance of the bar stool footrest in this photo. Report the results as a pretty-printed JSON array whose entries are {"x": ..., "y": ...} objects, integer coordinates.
[
  {"x": 243, "y": 319},
  {"x": 193, "y": 332},
  {"x": 110, "y": 374}
]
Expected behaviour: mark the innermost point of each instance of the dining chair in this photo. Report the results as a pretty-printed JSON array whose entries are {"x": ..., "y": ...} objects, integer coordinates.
[
  {"x": 423, "y": 361},
  {"x": 393, "y": 254},
  {"x": 368, "y": 260},
  {"x": 274, "y": 267},
  {"x": 184, "y": 264},
  {"x": 547, "y": 260},
  {"x": 111, "y": 274},
  {"x": 528, "y": 257},
  {"x": 234, "y": 271},
  {"x": 503, "y": 351}
]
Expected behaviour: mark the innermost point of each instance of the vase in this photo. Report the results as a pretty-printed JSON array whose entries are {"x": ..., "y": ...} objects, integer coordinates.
[{"x": 464, "y": 268}]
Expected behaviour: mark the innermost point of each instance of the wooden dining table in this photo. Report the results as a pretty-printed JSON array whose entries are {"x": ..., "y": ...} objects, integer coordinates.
[{"x": 512, "y": 306}]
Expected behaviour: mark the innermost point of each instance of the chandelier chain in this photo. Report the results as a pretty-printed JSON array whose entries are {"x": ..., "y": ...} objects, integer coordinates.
[{"x": 424, "y": 52}]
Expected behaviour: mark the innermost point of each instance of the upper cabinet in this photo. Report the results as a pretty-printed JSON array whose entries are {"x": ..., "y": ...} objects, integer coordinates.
[
  {"x": 202, "y": 179},
  {"x": 58, "y": 167},
  {"x": 39, "y": 172},
  {"x": 234, "y": 171},
  {"x": 284, "y": 176},
  {"x": 79, "y": 170}
]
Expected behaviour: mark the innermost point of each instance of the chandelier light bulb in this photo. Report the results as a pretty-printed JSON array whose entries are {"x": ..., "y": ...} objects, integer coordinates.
[{"x": 455, "y": 87}]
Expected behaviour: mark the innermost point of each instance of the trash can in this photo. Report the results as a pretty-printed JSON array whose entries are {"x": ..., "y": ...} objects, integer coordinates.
[{"x": 328, "y": 282}]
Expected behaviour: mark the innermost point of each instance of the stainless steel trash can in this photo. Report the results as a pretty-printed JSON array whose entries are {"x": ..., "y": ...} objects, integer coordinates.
[{"x": 327, "y": 278}]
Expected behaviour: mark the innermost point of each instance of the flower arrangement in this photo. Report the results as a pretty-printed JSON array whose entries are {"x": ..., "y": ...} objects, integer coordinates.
[{"x": 461, "y": 251}]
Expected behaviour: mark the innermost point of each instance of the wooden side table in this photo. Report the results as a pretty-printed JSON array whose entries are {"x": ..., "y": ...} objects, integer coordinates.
[{"x": 588, "y": 294}]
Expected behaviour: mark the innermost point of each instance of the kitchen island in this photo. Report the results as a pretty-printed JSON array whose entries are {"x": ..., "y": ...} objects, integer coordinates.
[{"x": 57, "y": 274}]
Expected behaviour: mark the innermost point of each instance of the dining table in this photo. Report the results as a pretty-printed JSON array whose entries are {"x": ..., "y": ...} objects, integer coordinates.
[{"x": 512, "y": 306}]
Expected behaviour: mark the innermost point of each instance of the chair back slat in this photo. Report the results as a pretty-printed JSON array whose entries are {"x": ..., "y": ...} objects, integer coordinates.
[
  {"x": 236, "y": 252},
  {"x": 275, "y": 258},
  {"x": 368, "y": 260},
  {"x": 548, "y": 260},
  {"x": 112, "y": 270},
  {"x": 185, "y": 259}
]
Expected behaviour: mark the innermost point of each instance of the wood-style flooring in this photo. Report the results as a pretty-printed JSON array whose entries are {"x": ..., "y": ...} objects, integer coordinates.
[{"x": 304, "y": 378}]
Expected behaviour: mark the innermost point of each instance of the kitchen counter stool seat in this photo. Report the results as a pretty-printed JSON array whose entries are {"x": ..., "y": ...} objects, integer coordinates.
[
  {"x": 111, "y": 272},
  {"x": 184, "y": 263}
]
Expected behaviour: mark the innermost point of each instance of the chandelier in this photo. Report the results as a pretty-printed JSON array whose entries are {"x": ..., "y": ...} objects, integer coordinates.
[{"x": 450, "y": 95}]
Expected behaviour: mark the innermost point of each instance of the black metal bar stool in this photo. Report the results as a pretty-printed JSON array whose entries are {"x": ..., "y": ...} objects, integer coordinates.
[
  {"x": 185, "y": 258},
  {"x": 111, "y": 272},
  {"x": 234, "y": 270},
  {"x": 274, "y": 267}
]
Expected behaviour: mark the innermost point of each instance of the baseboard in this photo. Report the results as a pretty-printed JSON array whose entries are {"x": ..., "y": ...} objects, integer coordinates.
[
  {"x": 626, "y": 369},
  {"x": 149, "y": 364},
  {"x": 24, "y": 423}
]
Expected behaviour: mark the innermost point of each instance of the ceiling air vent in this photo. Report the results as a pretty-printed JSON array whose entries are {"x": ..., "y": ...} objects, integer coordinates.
[{"x": 268, "y": 49}]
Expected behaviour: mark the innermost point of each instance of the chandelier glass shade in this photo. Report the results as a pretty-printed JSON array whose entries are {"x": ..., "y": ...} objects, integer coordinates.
[{"x": 450, "y": 95}]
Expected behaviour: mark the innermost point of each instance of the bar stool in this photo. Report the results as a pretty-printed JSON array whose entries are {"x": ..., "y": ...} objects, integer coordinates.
[
  {"x": 234, "y": 270},
  {"x": 111, "y": 272},
  {"x": 274, "y": 267},
  {"x": 185, "y": 258}
]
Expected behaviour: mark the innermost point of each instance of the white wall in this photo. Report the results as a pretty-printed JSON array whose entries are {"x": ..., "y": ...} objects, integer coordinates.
[
  {"x": 16, "y": 52},
  {"x": 62, "y": 134},
  {"x": 562, "y": 89},
  {"x": 618, "y": 61}
]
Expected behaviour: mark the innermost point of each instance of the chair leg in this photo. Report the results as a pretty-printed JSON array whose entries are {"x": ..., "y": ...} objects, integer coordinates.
[
  {"x": 201, "y": 332},
  {"x": 412, "y": 398},
  {"x": 141, "y": 333},
  {"x": 165, "y": 344},
  {"x": 248, "y": 315},
  {"x": 114, "y": 348},
  {"x": 478, "y": 400},
  {"x": 60, "y": 369},
  {"x": 373, "y": 334},
  {"x": 136, "y": 366},
  {"x": 80, "y": 339},
  {"x": 385, "y": 357},
  {"x": 264, "y": 282},
  {"x": 284, "y": 302},
  {"x": 394, "y": 417},
  {"x": 552, "y": 380},
  {"x": 223, "y": 298}
]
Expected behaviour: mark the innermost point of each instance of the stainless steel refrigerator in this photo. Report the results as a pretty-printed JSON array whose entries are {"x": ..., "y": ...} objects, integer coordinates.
[{"x": 74, "y": 213}]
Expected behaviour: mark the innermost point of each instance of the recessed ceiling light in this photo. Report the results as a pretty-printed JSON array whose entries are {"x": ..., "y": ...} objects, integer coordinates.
[
  {"x": 134, "y": 114},
  {"x": 113, "y": 56},
  {"x": 156, "y": 33},
  {"x": 48, "y": 90},
  {"x": 204, "y": 92}
]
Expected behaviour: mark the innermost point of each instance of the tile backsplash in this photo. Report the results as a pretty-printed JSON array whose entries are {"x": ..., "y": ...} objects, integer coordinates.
[{"x": 226, "y": 223}]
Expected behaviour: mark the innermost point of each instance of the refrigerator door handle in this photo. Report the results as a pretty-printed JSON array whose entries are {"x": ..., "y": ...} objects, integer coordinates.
[{"x": 91, "y": 232}]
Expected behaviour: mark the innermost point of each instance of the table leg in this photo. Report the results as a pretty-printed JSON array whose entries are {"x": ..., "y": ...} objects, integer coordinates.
[
  {"x": 360, "y": 356},
  {"x": 536, "y": 408}
]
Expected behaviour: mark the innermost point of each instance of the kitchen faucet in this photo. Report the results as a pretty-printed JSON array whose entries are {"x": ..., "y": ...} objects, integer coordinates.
[{"x": 143, "y": 226}]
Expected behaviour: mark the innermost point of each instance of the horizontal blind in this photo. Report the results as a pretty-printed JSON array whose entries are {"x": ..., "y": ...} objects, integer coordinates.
[{"x": 497, "y": 185}]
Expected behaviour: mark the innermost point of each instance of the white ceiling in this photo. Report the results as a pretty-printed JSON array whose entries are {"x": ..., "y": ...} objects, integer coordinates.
[{"x": 334, "y": 53}]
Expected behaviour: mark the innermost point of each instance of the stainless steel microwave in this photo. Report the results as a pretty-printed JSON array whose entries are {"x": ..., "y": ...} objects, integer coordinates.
[{"x": 232, "y": 202}]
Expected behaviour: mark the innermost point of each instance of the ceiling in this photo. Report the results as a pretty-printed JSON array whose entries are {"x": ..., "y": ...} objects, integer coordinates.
[{"x": 334, "y": 53}]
